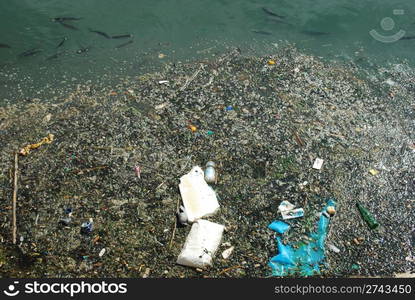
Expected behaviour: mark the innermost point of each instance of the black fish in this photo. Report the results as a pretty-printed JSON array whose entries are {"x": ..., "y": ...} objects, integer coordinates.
[
  {"x": 311, "y": 32},
  {"x": 56, "y": 55},
  {"x": 68, "y": 26},
  {"x": 29, "y": 52},
  {"x": 271, "y": 13},
  {"x": 63, "y": 19},
  {"x": 61, "y": 43},
  {"x": 4, "y": 46},
  {"x": 261, "y": 32},
  {"x": 125, "y": 44},
  {"x": 100, "y": 33},
  {"x": 122, "y": 36}
]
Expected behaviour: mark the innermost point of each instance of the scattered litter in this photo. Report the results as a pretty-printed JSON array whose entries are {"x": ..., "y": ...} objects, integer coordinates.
[
  {"x": 303, "y": 257},
  {"x": 228, "y": 108},
  {"x": 291, "y": 214},
  {"x": 227, "y": 252},
  {"x": 146, "y": 273},
  {"x": 137, "y": 171},
  {"x": 279, "y": 226},
  {"x": 367, "y": 216},
  {"x": 210, "y": 172},
  {"x": 163, "y": 81},
  {"x": 161, "y": 106},
  {"x": 102, "y": 252},
  {"x": 86, "y": 227},
  {"x": 46, "y": 140},
  {"x": 271, "y": 62},
  {"x": 373, "y": 172},
  {"x": 182, "y": 216},
  {"x": 333, "y": 248},
  {"x": 201, "y": 244},
  {"x": 318, "y": 163},
  {"x": 199, "y": 199},
  {"x": 209, "y": 132},
  {"x": 161, "y": 55},
  {"x": 285, "y": 206},
  {"x": 193, "y": 128},
  {"x": 331, "y": 210},
  {"x": 65, "y": 221},
  {"x": 324, "y": 213}
]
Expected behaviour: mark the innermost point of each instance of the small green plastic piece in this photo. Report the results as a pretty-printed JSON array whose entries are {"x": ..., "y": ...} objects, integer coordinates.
[{"x": 367, "y": 216}]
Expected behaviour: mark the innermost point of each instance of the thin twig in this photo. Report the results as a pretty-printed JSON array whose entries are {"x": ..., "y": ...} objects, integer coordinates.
[
  {"x": 191, "y": 79},
  {"x": 175, "y": 223},
  {"x": 14, "y": 226},
  {"x": 228, "y": 269}
]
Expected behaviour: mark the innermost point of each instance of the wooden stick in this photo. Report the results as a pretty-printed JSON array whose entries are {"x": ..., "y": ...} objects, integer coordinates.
[
  {"x": 175, "y": 222},
  {"x": 228, "y": 269},
  {"x": 14, "y": 226}
]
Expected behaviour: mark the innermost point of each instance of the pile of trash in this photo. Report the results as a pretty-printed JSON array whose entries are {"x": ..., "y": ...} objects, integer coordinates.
[{"x": 114, "y": 182}]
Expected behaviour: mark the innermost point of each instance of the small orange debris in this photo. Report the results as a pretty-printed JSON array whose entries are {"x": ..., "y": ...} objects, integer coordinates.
[
  {"x": 271, "y": 62},
  {"x": 193, "y": 128},
  {"x": 113, "y": 93},
  {"x": 45, "y": 140}
]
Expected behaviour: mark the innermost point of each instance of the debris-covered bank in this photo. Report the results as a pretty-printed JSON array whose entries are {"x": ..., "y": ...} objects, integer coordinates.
[{"x": 263, "y": 121}]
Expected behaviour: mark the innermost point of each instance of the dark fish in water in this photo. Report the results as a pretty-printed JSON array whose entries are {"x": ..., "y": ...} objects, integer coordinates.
[
  {"x": 100, "y": 33},
  {"x": 29, "y": 52},
  {"x": 68, "y": 26},
  {"x": 271, "y": 13},
  {"x": 125, "y": 44},
  {"x": 82, "y": 50},
  {"x": 317, "y": 33},
  {"x": 56, "y": 55},
  {"x": 4, "y": 46},
  {"x": 61, "y": 43},
  {"x": 408, "y": 38},
  {"x": 123, "y": 36},
  {"x": 63, "y": 19},
  {"x": 261, "y": 32}
]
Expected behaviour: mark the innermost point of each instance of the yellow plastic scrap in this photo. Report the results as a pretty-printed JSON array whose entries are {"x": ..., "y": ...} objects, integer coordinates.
[
  {"x": 373, "y": 172},
  {"x": 45, "y": 140},
  {"x": 271, "y": 62}
]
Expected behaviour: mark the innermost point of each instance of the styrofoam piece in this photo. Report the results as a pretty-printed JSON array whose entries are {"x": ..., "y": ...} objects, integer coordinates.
[
  {"x": 199, "y": 199},
  {"x": 292, "y": 214},
  {"x": 318, "y": 163},
  {"x": 285, "y": 206},
  {"x": 201, "y": 244},
  {"x": 227, "y": 252}
]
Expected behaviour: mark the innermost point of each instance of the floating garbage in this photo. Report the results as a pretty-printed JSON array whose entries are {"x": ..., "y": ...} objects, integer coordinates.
[
  {"x": 201, "y": 244},
  {"x": 292, "y": 214},
  {"x": 285, "y": 206},
  {"x": 318, "y": 163},
  {"x": 46, "y": 140},
  {"x": 374, "y": 172},
  {"x": 228, "y": 108},
  {"x": 279, "y": 226},
  {"x": 227, "y": 252},
  {"x": 304, "y": 258},
  {"x": 333, "y": 248},
  {"x": 199, "y": 199},
  {"x": 86, "y": 227},
  {"x": 331, "y": 210},
  {"x": 367, "y": 216},
  {"x": 210, "y": 172},
  {"x": 137, "y": 171},
  {"x": 182, "y": 216}
]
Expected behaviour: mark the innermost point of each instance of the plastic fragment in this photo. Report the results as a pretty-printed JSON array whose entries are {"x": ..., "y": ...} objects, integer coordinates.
[
  {"x": 292, "y": 214},
  {"x": 367, "y": 216},
  {"x": 199, "y": 199},
  {"x": 333, "y": 248},
  {"x": 102, "y": 252},
  {"x": 373, "y": 172},
  {"x": 318, "y": 163},
  {"x": 201, "y": 244},
  {"x": 227, "y": 252},
  {"x": 279, "y": 226},
  {"x": 285, "y": 206}
]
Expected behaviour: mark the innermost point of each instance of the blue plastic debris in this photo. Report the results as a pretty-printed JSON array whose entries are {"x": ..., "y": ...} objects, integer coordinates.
[
  {"x": 306, "y": 257},
  {"x": 228, "y": 108},
  {"x": 68, "y": 210},
  {"x": 279, "y": 226}
]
